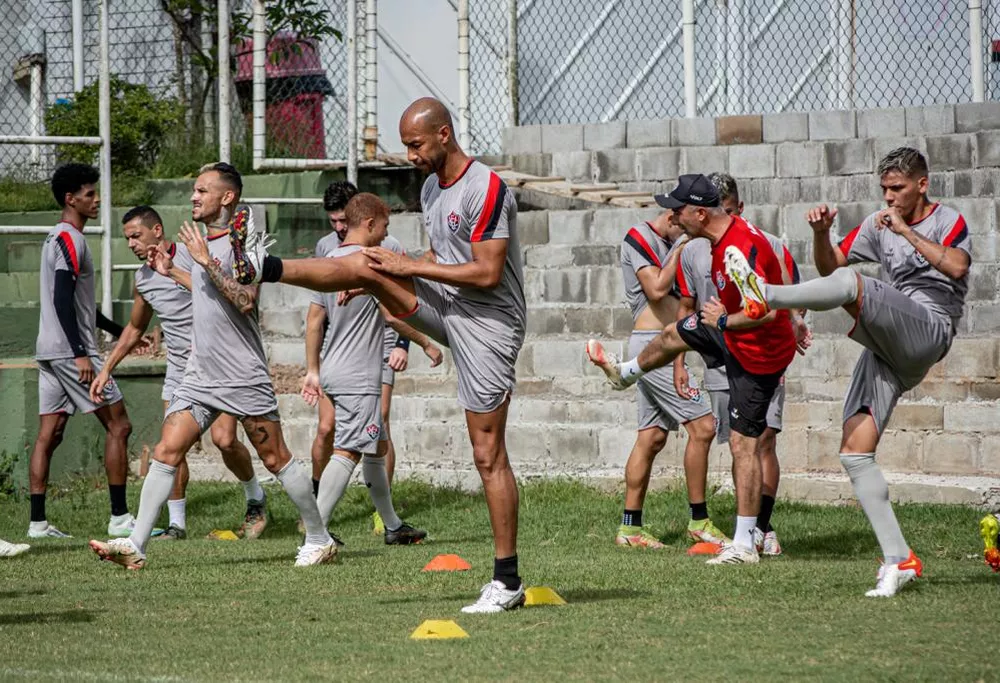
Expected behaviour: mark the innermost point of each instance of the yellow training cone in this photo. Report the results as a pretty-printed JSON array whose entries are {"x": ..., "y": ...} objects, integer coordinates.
[
  {"x": 433, "y": 629},
  {"x": 222, "y": 535},
  {"x": 542, "y": 595}
]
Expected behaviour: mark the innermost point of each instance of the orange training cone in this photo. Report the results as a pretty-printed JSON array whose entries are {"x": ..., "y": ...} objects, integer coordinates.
[
  {"x": 704, "y": 548},
  {"x": 447, "y": 563}
]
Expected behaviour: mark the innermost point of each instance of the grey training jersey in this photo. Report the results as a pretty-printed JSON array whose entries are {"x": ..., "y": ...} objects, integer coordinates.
[
  {"x": 475, "y": 207},
  {"x": 906, "y": 269},
  {"x": 642, "y": 247},
  {"x": 351, "y": 361},
  {"x": 226, "y": 348},
  {"x": 66, "y": 249},
  {"x": 172, "y": 303},
  {"x": 326, "y": 244}
]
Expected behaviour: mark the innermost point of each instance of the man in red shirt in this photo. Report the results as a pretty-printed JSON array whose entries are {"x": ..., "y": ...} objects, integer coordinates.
[{"x": 755, "y": 353}]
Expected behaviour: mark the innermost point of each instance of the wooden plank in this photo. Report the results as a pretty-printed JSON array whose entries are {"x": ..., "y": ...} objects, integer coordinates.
[
  {"x": 549, "y": 179},
  {"x": 502, "y": 167},
  {"x": 592, "y": 187}
]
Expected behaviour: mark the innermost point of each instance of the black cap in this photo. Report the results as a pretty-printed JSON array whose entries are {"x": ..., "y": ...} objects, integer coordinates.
[{"x": 693, "y": 188}]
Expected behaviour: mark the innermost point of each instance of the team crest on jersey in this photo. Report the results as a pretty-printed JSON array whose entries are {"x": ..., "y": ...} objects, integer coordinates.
[
  {"x": 454, "y": 221},
  {"x": 690, "y": 322},
  {"x": 720, "y": 280},
  {"x": 373, "y": 431},
  {"x": 110, "y": 388}
]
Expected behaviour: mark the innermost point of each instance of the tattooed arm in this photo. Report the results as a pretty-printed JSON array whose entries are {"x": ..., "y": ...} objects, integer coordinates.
[{"x": 244, "y": 297}]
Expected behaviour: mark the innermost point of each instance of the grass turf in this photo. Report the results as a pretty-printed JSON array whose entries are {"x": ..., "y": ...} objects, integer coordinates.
[{"x": 212, "y": 610}]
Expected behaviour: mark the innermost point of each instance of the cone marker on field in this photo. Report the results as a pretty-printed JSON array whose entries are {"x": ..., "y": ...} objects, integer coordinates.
[
  {"x": 434, "y": 629},
  {"x": 542, "y": 595},
  {"x": 704, "y": 548},
  {"x": 222, "y": 535},
  {"x": 447, "y": 563}
]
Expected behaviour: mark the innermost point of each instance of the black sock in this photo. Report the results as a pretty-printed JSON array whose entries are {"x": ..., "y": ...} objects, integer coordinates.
[
  {"x": 764, "y": 518},
  {"x": 315, "y": 488},
  {"x": 505, "y": 571},
  {"x": 37, "y": 507},
  {"x": 271, "y": 269},
  {"x": 699, "y": 511},
  {"x": 119, "y": 506},
  {"x": 632, "y": 517}
]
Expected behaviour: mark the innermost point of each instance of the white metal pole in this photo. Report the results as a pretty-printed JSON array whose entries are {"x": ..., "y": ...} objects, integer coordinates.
[
  {"x": 371, "y": 79},
  {"x": 352, "y": 91},
  {"x": 464, "y": 119},
  {"x": 512, "y": 113},
  {"x": 259, "y": 82},
  {"x": 978, "y": 74},
  {"x": 104, "y": 105},
  {"x": 77, "y": 45},
  {"x": 845, "y": 57},
  {"x": 37, "y": 109},
  {"x": 690, "y": 84},
  {"x": 225, "y": 141}
]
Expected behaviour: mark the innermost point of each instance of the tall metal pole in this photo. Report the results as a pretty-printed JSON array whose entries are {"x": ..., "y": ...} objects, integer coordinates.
[
  {"x": 690, "y": 84},
  {"x": 259, "y": 82},
  {"x": 371, "y": 79},
  {"x": 464, "y": 118},
  {"x": 225, "y": 140},
  {"x": 977, "y": 72},
  {"x": 513, "y": 115},
  {"x": 104, "y": 123},
  {"x": 352, "y": 91},
  {"x": 77, "y": 45}
]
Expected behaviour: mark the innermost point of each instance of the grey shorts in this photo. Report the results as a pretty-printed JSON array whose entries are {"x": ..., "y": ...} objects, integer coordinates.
[
  {"x": 903, "y": 339},
  {"x": 171, "y": 380},
  {"x": 658, "y": 403},
  {"x": 206, "y": 403},
  {"x": 60, "y": 390},
  {"x": 720, "y": 408},
  {"x": 359, "y": 423},
  {"x": 484, "y": 343},
  {"x": 388, "y": 374}
]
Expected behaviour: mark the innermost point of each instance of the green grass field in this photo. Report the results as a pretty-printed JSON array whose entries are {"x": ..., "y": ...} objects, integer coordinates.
[{"x": 211, "y": 610}]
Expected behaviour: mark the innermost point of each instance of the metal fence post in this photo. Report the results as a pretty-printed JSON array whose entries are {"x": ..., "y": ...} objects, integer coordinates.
[
  {"x": 977, "y": 72},
  {"x": 352, "y": 91},
  {"x": 77, "y": 45},
  {"x": 690, "y": 84},
  {"x": 104, "y": 124},
  {"x": 371, "y": 80},
  {"x": 512, "y": 62},
  {"x": 259, "y": 82},
  {"x": 464, "y": 119},
  {"x": 225, "y": 140}
]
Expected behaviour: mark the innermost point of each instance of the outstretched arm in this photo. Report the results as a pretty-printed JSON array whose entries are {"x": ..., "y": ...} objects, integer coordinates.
[{"x": 244, "y": 297}]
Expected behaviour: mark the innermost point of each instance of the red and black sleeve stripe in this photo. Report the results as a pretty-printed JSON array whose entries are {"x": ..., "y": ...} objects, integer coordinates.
[
  {"x": 635, "y": 240},
  {"x": 958, "y": 232},
  {"x": 489, "y": 219},
  {"x": 65, "y": 243},
  {"x": 847, "y": 242},
  {"x": 681, "y": 282},
  {"x": 792, "y": 266}
]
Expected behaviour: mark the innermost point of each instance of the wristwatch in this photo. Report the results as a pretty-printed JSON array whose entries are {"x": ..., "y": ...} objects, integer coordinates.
[{"x": 721, "y": 324}]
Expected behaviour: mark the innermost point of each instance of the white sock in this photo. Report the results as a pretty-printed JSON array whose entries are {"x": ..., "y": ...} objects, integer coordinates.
[
  {"x": 631, "y": 371},
  {"x": 297, "y": 485},
  {"x": 252, "y": 489},
  {"x": 178, "y": 512},
  {"x": 744, "y": 531},
  {"x": 373, "y": 469},
  {"x": 332, "y": 485},
  {"x": 155, "y": 492}
]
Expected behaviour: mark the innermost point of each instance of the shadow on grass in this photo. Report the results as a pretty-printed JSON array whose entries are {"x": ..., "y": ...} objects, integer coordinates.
[
  {"x": 987, "y": 578},
  {"x": 585, "y": 595},
  {"x": 8, "y": 595},
  {"x": 72, "y": 616},
  {"x": 410, "y": 599},
  {"x": 840, "y": 544}
]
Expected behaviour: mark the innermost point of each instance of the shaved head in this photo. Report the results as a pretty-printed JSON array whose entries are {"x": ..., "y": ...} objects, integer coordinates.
[
  {"x": 428, "y": 115},
  {"x": 428, "y": 133}
]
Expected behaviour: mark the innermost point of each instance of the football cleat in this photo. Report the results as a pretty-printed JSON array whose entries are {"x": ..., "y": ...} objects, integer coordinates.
[
  {"x": 496, "y": 597},
  {"x": 8, "y": 549},
  {"x": 704, "y": 531},
  {"x": 404, "y": 535},
  {"x": 609, "y": 363},
  {"x": 313, "y": 553},
  {"x": 735, "y": 554},
  {"x": 255, "y": 520},
  {"x": 121, "y": 551},
  {"x": 249, "y": 246},
  {"x": 989, "y": 529},
  {"x": 45, "y": 530},
  {"x": 749, "y": 283},
  {"x": 637, "y": 537},
  {"x": 892, "y": 577}
]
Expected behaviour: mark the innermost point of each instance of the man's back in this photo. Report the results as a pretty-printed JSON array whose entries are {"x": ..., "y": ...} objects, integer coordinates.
[{"x": 66, "y": 249}]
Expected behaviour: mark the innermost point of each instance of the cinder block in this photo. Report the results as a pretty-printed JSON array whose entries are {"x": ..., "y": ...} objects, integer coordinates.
[
  {"x": 989, "y": 455},
  {"x": 569, "y": 227},
  {"x": 523, "y": 140},
  {"x": 982, "y": 282},
  {"x": 824, "y": 450},
  {"x": 949, "y": 152},
  {"x": 597, "y": 413},
  {"x": 792, "y": 222},
  {"x": 739, "y": 130},
  {"x": 972, "y": 117},
  {"x": 533, "y": 164},
  {"x": 595, "y": 255},
  {"x": 614, "y": 165},
  {"x": 533, "y": 227},
  {"x": 963, "y": 184},
  {"x": 614, "y": 446},
  {"x": 764, "y": 216},
  {"x": 848, "y": 157},
  {"x": 851, "y": 188},
  {"x": 695, "y": 132},
  {"x": 610, "y": 135},
  {"x": 951, "y": 453},
  {"x": 559, "y": 358},
  {"x": 900, "y": 451},
  {"x": 610, "y": 225},
  {"x": 939, "y": 391},
  {"x": 983, "y": 318},
  {"x": 798, "y": 159},
  {"x": 606, "y": 286},
  {"x": 573, "y": 165},
  {"x": 916, "y": 417},
  {"x": 565, "y": 285},
  {"x": 562, "y": 138},
  {"x": 971, "y": 358},
  {"x": 648, "y": 133},
  {"x": 972, "y": 417},
  {"x": 882, "y": 147},
  {"x": 544, "y": 411},
  {"x": 882, "y": 123},
  {"x": 790, "y": 127},
  {"x": 543, "y": 320},
  {"x": 704, "y": 160},
  {"x": 589, "y": 320},
  {"x": 984, "y": 391},
  {"x": 987, "y": 149},
  {"x": 832, "y": 125},
  {"x": 661, "y": 163},
  {"x": 978, "y": 213},
  {"x": 752, "y": 161},
  {"x": 548, "y": 256},
  {"x": 932, "y": 119}
]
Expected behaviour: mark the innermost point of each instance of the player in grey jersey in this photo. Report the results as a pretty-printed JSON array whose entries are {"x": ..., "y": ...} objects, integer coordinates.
[
  {"x": 906, "y": 321},
  {"x": 467, "y": 293},
  {"x": 226, "y": 373},
  {"x": 66, "y": 352},
  {"x": 171, "y": 301}
]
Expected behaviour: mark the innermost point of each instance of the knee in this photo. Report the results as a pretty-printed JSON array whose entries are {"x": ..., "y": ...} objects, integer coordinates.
[
  {"x": 325, "y": 431},
  {"x": 167, "y": 454},
  {"x": 652, "y": 440},
  {"x": 486, "y": 455},
  {"x": 670, "y": 336},
  {"x": 119, "y": 429},
  {"x": 274, "y": 459},
  {"x": 702, "y": 429},
  {"x": 225, "y": 441}
]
